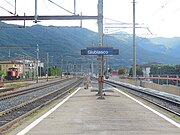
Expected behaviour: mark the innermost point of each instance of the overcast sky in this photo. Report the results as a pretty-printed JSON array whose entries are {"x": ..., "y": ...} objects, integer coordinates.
[{"x": 160, "y": 16}]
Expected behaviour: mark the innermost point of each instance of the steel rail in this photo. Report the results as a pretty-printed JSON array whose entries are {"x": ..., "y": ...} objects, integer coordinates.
[
  {"x": 12, "y": 94},
  {"x": 174, "y": 102}
]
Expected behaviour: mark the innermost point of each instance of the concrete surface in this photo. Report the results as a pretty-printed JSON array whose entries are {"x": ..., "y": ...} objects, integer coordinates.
[{"x": 84, "y": 114}]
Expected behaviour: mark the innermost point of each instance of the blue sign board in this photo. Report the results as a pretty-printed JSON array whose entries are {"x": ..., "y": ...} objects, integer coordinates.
[{"x": 100, "y": 51}]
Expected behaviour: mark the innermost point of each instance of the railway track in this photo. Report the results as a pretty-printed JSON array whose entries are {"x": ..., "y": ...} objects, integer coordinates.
[
  {"x": 10, "y": 116},
  {"x": 29, "y": 81},
  {"x": 171, "y": 104},
  {"x": 9, "y": 94}
]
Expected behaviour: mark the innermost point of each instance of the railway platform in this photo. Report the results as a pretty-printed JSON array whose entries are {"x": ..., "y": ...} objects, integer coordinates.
[{"x": 82, "y": 113}]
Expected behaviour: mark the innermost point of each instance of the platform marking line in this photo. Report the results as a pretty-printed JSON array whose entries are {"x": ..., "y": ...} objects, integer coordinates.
[
  {"x": 33, "y": 124},
  {"x": 152, "y": 110}
]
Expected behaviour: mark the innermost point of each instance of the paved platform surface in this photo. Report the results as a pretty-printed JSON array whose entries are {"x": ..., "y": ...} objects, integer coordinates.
[{"x": 84, "y": 114}]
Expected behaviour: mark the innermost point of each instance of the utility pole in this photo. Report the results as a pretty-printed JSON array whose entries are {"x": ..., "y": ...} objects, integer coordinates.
[
  {"x": 81, "y": 21},
  {"x": 37, "y": 57},
  {"x": 35, "y": 17},
  {"x": 23, "y": 67},
  {"x": 15, "y": 8},
  {"x": 134, "y": 41},
  {"x": 100, "y": 41},
  {"x": 47, "y": 63},
  {"x": 74, "y": 7},
  {"x": 9, "y": 53},
  {"x": 61, "y": 66},
  {"x": 106, "y": 66},
  {"x": 92, "y": 67}
]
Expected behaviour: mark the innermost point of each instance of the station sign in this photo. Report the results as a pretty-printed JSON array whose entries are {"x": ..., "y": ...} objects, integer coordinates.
[{"x": 100, "y": 51}]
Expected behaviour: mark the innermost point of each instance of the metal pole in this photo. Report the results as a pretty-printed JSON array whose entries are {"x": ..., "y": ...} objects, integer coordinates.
[
  {"x": 106, "y": 66},
  {"x": 81, "y": 21},
  {"x": 34, "y": 71},
  {"x": 9, "y": 53},
  {"x": 39, "y": 69},
  {"x": 61, "y": 66},
  {"x": 74, "y": 68},
  {"x": 23, "y": 67},
  {"x": 92, "y": 67},
  {"x": 158, "y": 79},
  {"x": 74, "y": 7},
  {"x": 177, "y": 80},
  {"x": 37, "y": 63},
  {"x": 100, "y": 38},
  {"x": 15, "y": 8},
  {"x": 24, "y": 21},
  {"x": 134, "y": 41},
  {"x": 47, "y": 65},
  {"x": 35, "y": 11},
  {"x": 67, "y": 66}
]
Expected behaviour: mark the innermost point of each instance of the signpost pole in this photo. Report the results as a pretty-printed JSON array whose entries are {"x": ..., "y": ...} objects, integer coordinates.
[{"x": 100, "y": 40}]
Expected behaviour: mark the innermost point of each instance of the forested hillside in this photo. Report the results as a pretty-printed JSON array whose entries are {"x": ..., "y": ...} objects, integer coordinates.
[{"x": 61, "y": 41}]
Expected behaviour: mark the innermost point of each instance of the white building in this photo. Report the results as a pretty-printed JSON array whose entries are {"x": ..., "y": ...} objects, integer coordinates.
[{"x": 146, "y": 68}]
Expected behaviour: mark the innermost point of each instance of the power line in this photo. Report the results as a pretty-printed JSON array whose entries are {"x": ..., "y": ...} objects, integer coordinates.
[
  {"x": 9, "y": 3},
  {"x": 14, "y": 6},
  {"x": 162, "y": 7},
  {"x": 6, "y": 10},
  {"x": 45, "y": 5},
  {"x": 112, "y": 20},
  {"x": 165, "y": 18},
  {"x": 61, "y": 7},
  {"x": 176, "y": 10}
]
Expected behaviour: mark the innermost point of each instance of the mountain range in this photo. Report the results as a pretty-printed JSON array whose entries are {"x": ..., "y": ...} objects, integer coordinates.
[{"x": 66, "y": 43}]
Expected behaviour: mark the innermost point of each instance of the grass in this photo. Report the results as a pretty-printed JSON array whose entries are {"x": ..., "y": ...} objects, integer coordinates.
[{"x": 16, "y": 85}]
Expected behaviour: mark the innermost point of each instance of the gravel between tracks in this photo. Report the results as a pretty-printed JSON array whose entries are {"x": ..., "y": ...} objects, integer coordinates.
[{"x": 9, "y": 103}]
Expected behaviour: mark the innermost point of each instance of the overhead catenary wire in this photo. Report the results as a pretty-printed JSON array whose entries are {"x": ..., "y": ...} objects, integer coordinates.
[
  {"x": 14, "y": 6},
  {"x": 45, "y": 5},
  {"x": 171, "y": 14},
  {"x": 165, "y": 18},
  {"x": 121, "y": 25},
  {"x": 7, "y": 10},
  {"x": 9, "y": 3},
  {"x": 112, "y": 20},
  {"x": 61, "y": 7},
  {"x": 162, "y": 7}
]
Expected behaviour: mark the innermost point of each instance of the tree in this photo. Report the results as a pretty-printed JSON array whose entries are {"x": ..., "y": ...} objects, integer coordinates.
[
  {"x": 2, "y": 74},
  {"x": 162, "y": 69},
  {"x": 53, "y": 71},
  {"x": 139, "y": 71},
  {"x": 122, "y": 71}
]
